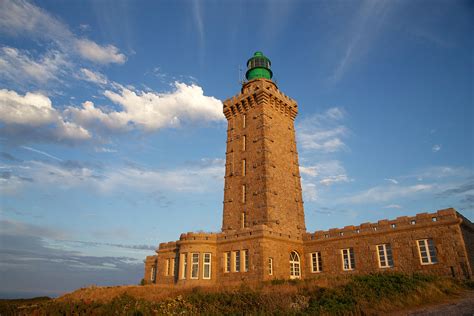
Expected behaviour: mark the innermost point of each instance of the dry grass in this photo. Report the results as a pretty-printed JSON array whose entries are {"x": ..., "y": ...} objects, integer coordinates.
[{"x": 358, "y": 295}]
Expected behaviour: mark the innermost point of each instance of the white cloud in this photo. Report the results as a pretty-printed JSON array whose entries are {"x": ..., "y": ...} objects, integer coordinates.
[
  {"x": 395, "y": 206},
  {"x": 84, "y": 27},
  {"x": 438, "y": 172},
  {"x": 392, "y": 180},
  {"x": 335, "y": 179},
  {"x": 323, "y": 132},
  {"x": 92, "y": 51},
  {"x": 21, "y": 18},
  {"x": 32, "y": 112},
  {"x": 18, "y": 66},
  {"x": 105, "y": 150},
  {"x": 387, "y": 193},
  {"x": 190, "y": 179},
  {"x": 311, "y": 171},
  {"x": 326, "y": 173},
  {"x": 310, "y": 192},
  {"x": 32, "y": 109},
  {"x": 436, "y": 148},
  {"x": 150, "y": 111},
  {"x": 93, "y": 76},
  {"x": 72, "y": 175}
]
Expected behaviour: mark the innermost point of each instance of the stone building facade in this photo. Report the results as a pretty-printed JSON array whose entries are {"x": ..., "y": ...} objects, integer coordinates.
[{"x": 263, "y": 234}]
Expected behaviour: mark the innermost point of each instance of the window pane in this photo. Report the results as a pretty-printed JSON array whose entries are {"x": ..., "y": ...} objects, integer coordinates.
[{"x": 237, "y": 261}]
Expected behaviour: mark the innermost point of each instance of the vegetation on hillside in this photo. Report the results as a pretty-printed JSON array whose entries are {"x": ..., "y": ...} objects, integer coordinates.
[{"x": 358, "y": 295}]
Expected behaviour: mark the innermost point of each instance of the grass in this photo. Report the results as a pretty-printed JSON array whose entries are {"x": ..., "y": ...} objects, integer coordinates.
[{"x": 358, "y": 295}]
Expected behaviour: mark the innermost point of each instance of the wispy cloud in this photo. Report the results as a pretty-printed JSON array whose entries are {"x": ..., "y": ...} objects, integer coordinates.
[
  {"x": 93, "y": 76},
  {"x": 366, "y": 25},
  {"x": 436, "y": 148},
  {"x": 102, "y": 54},
  {"x": 323, "y": 132},
  {"x": 41, "y": 153},
  {"x": 386, "y": 193},
  {"x": 20, "y": 18},
  {"x": 21, "y": 68},
  {"x": 326, "y": 173},
  {"x": 57, "y": 52},
  {"x": 391, "y": 180},
  {"x": 198, "y": 18},
  {"x": 394, "y": 206},
  {"x": 109, "y": 180}
]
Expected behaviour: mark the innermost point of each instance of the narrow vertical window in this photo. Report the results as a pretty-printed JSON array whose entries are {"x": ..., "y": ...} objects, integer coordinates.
[
  {"x": 244, "y": 121},
  {"x": 237, "y": 261},
  {"x": 227, "y": 262},
  {"x": 232, "y": 163},
  {"x": 384, "y": 252},
  {"x": 206, "y": 272},
  {"x": 153, "y": 274},
  {"x": 244, "y": 189},
  {"x": 244, "y": 167},
  {"x": 243, "y": 219},
  {"x": 194, "y": 265},
  {"x": 427, "y": 251},
  {"x": 246, "y": 260},
  {"x": 167, "y": 267},
  {"x": 270, "y": 266},
  {"x": 244, "y": 143},
  {"x": 173, "y": 265},
  {"x": 184, "y": 265},
  {"x": 348, "y": 260},
  {"x": 316, "y": 262}
]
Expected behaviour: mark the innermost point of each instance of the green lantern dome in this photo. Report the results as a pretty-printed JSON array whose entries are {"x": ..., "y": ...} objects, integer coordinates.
[{"x": 258, "y": 67}]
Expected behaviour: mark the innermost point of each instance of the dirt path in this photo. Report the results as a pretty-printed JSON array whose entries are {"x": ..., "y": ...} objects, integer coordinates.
[{"x": 463, "y": 306}]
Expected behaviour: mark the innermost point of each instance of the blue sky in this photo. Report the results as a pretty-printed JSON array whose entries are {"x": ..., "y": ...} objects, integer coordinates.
[{"x": 113, "y": 139}]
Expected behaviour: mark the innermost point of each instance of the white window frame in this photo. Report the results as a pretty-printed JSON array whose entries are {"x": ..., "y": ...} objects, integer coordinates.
[
  {"x": 270, "y": 266},
  {"x": 316, "y": 262},
  {"x": 295, "y": 265},
  {"x": 244, "y": 167},
  {"x": 195, "y": 265},
  {"x": 227, "y": 262},
  {"x": 385, "y": 256},
  {"x": 237, "y": 261},
  {"x": 245, "y": 261},
  {"x": 173, "y": 266},
  {"x": 244, "y": 142},
  {"x": 348, "y": 259},
  {"x": 244, "y": 193},
  {"x": 206, "y": 263},
  {"x": 184, "y": 265},
  {"x": 430, "y": 251}
]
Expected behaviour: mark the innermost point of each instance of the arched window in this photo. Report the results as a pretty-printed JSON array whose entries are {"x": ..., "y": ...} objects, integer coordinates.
[{"x": 295, "y": 271}]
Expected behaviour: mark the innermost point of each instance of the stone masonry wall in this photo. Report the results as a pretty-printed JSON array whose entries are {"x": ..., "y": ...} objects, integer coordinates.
[
  {"x": 261, "y": 133},
  {"x": 402, "y": 234}
]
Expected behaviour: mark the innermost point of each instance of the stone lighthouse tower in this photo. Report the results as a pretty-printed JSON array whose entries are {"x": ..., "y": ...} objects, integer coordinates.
[{"x": 262, "y": 180}]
